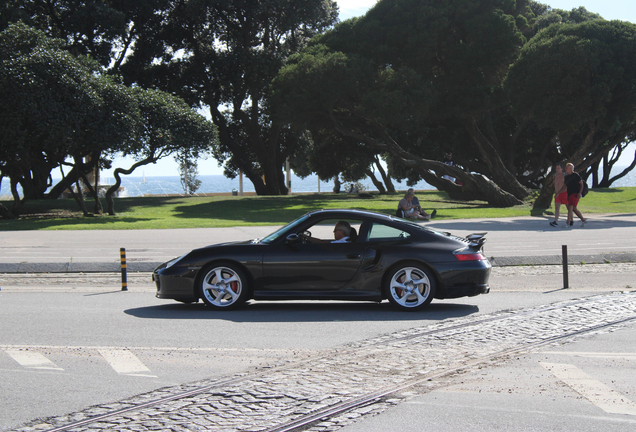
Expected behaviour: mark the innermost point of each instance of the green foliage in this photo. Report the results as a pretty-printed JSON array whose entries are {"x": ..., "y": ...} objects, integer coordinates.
[
  {"x": 54, "y": 106},
  {"x": 222, "y": 54},
  {"x": 579, "y": 80},
  {"x": 460, "y": 47},
  {"x": 57, "y": 109},
  {"x": 233, "y": 50},
  {"x": 167, "y": 125},
  {"x": 546, "y": 17},
  {"x": 101, "y": 29},
  {"x": 571, "y": 75},
  {"x": 387, "y": 82}
]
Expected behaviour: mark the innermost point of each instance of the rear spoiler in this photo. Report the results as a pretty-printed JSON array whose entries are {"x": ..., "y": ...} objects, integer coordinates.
[{"x": 476, "y": 239}]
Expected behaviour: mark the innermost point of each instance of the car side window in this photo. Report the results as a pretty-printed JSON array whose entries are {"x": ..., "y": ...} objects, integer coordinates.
[
  {"x": 380, "y": 232},
  {"x": 324, "y": 229}
]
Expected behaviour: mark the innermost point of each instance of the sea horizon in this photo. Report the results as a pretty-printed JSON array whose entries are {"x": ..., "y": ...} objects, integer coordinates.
[{"x": 141, "y": 185}]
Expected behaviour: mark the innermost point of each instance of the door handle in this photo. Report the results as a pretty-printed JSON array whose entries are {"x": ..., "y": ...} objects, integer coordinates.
[{"x": 353, "y": 256}]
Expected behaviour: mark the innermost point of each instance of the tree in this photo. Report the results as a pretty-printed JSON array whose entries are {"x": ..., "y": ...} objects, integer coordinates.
[
  {"x": 330, "y": 156},
  {"x": 579, "y": 81},
  {"x": 167, "y": 126},
  {"x": 403, "y": 68},
  {"x": 105, "y": 30},
  {"x": 58, "y": 111},
  {"x": 228, "y": 54},
  {"x": 55, "y": 110},
  {"x": 608, "y": 163},
  {"x": 188, "y": 172}
]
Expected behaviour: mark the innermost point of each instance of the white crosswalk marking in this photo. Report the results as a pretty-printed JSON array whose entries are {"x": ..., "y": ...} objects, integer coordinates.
[
  {"x": 124, "y": 362},
  {"x": 599, "y": 394},
  {"x": 31, "y": 359}
]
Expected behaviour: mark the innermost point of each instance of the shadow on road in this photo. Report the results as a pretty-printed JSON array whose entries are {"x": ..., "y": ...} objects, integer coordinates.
[{"x": 268, "y": 312}]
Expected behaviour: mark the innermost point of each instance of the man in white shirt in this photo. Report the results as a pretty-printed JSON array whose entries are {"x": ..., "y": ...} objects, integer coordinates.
[{"x": 341, "y": 232}]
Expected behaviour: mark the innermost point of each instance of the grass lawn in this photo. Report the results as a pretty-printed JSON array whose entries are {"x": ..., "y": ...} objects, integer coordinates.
[{"x": 223, "y": 211}]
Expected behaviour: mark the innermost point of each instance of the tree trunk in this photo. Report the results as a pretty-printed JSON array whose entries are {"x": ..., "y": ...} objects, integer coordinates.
[
  {"x": 5, "y": 213},
  {"x": 620, "y": 175},
  {"x": 500, "y": 174},
  {"x": 270, "y": 179},
  {"x": 79, "y": 198},
  {"x": 17, "y": 202},
  {"x": 117, "y": 174},
  {"x": 79, "y": 169},
  {"x": 336, "y": 184},
  {"x": 97, "y": 209},
  {"x": 385, "y": 177},
  {"x": 378, "y": 184}
]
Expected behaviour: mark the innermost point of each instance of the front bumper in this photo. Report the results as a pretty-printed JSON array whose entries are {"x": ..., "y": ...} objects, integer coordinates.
[{"x": 176, "y": 283}]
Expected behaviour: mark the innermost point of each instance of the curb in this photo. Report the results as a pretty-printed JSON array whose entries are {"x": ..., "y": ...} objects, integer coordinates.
[
  {"x": 149, "y": 266},
  {"x": 606, "y": 258},
  {"x": 75, "y": 267}
]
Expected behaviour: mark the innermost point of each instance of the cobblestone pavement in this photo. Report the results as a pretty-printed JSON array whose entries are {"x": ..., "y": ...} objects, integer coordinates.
[{"x": 267, "y": 398}]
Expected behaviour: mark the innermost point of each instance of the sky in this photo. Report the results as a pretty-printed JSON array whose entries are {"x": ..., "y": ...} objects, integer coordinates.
[{"x": 608, "y": 9}]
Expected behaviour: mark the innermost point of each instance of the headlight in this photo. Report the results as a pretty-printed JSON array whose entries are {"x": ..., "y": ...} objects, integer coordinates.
[{"x": 174, "y": 261}]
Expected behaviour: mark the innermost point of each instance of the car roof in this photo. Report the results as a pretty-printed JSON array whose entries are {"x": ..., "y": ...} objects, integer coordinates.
[{"x": 351, "y": 213}]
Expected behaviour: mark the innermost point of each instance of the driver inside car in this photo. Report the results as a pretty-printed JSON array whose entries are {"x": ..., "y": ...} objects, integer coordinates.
[{"x": 341, "y": 234}]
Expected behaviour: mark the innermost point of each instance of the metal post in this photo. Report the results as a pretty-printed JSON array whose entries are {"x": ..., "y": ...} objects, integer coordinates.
[
  {"x": 124, "y": 281},
  {"x": 564, "y": 251}
]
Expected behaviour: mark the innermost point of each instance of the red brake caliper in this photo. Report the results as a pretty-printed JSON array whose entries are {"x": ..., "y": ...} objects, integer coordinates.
[{"x": 400, "y": 291}]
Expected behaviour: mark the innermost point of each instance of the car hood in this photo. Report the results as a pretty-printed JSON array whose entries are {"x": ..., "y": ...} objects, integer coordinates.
[{"x": 243, "y": 242}]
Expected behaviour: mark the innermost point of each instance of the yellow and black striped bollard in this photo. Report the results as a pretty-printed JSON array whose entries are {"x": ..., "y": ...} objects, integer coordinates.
[{"x": 124, "y": 280}]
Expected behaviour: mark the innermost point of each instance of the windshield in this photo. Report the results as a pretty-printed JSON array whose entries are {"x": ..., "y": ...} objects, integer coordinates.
[{"x": 273, "y": 236}]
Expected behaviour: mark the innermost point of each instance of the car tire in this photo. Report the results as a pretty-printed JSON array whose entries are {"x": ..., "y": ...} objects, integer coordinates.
[
  {"x": 409, "y": 286},
  {"x": 223, "y": 286}
]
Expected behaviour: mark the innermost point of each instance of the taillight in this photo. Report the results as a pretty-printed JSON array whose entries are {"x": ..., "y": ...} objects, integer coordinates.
[{"x": 470, "y": 256}]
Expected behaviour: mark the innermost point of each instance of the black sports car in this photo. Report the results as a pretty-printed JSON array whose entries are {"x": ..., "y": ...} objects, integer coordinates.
[{"x": 382, "y": 257}]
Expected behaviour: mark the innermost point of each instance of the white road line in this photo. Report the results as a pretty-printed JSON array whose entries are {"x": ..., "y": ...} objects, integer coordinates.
[
  {"x": 599, "y": 394},
  {"x": 240, "y": 351},
  {"x": 124, "y": 362},
  {"x": 31, "y": 359}
]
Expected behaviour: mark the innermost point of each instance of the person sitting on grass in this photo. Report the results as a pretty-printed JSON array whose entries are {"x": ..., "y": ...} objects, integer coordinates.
[{"x": 413, "y": 209}]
